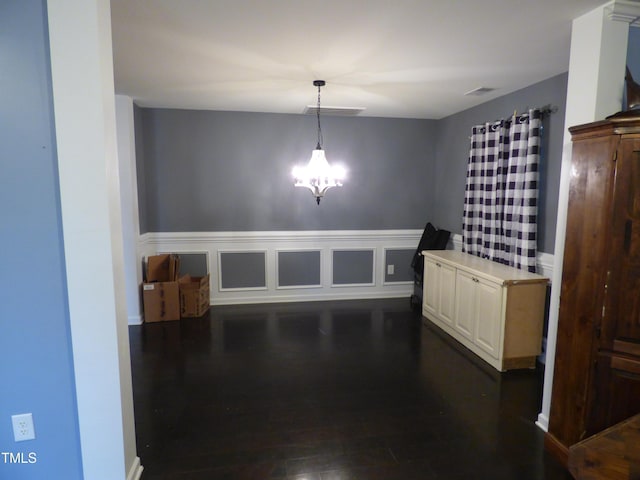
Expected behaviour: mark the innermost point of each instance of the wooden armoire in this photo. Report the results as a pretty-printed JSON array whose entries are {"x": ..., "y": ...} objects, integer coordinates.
[{"x": 596, "y": 380}]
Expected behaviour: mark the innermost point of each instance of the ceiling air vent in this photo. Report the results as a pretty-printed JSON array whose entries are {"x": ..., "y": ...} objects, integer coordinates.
[
  {"x": 480, "y": 91},
  {"x": 338, "y": 111}
]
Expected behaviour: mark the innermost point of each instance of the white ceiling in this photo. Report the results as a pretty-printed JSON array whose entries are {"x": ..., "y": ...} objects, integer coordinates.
[{"x": 396, "y": 58}]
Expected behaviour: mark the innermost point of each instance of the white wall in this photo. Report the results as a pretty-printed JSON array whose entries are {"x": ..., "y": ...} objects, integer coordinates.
[
  {"x": 84, "y": 106},
  {"x": 129, "y": 206}
]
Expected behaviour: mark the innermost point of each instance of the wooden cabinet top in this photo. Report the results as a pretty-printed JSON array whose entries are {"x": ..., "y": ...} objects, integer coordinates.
[
  {"x": 621, "y": 125},
  {"x": 492, "y": 271}
]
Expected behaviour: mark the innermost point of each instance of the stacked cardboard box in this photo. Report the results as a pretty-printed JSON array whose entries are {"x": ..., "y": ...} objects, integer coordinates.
[
  {"x": 167, "y": 296},
  {"x": 194, "y": 296},
  {"x": 161, "y": 291}
]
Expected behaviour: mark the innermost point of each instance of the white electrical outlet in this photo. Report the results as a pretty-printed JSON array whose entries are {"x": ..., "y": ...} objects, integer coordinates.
[
  {"x": 390, "y": 269},
  {"x": 23, "y": 427}
]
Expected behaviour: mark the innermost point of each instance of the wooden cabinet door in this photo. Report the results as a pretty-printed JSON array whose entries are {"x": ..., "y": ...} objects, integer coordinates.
[
  {"x": 488, "y": 314},
  {"x": 439, "y": 290},
  {"x": 431, "y": 287},
  {"x": 583, "y": 280},
  {"x": 479, "y": 311},
  {"x": 621, "y": 316},
  {"x": 465, "y": 305},
  {"x": 447, "y": 299},
  {"x": 615, "y": 392}
]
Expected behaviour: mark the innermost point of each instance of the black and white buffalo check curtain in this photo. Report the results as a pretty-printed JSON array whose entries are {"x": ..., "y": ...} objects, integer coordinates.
[{"x": 501, "y": 195}]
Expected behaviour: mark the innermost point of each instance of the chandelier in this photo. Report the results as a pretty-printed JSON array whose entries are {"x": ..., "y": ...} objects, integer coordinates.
[{"x": 318, "y": 176}]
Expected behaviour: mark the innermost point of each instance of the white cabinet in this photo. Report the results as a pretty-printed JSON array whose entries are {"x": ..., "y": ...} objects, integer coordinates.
[
  {"x": 439, "y": 299},
  {"x": 495, "y": 311}
]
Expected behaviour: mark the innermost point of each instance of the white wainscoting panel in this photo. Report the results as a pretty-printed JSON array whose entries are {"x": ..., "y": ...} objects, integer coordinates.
[
  {"x": 214, "y": 243},
  {"x": 272, "y": 242}
]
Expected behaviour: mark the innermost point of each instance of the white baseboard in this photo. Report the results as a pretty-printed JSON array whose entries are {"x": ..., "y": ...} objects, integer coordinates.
[
  {"x": 319, "y": 297},
  {"x": 543, "y": 422},
  {"x": 135, "y": 320},
  {"x": 135, "y": 472}
]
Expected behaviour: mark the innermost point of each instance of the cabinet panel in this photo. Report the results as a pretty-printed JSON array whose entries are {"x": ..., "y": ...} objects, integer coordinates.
[
  {"x": 431, "y": 287},
  {"x": 488, "y": 314},
  {"x": 622, "y": 308},
  {"x": 466, "y": 307},
  {"x": 447, "y": 293},
  {"x": 439, "y": 290}
]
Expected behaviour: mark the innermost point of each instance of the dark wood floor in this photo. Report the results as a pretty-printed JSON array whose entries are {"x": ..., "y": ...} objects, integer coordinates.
[{"x": 328, "y": 390}]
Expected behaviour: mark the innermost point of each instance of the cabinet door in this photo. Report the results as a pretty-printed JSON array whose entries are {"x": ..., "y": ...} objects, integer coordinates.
[
  {"x": 615, "y": 390},
  {"x": 621, "y": 316},
  {"x": 431, "y": 287},
  {"x": 466, "y": 304},
  {"x": 583, "y": 278},
  {"x": 488, "y": 314},
  {"x": 447, "y": 300},
  {"x": 439, "y": 284}
]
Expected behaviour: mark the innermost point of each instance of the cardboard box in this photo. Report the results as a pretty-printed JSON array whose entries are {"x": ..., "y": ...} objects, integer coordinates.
[
  {"x": 161, "y": 291},
  {"x": 161, "y": 301},
  {"x": 162, "y": 268},
  {"x": 194, "y": 296}
]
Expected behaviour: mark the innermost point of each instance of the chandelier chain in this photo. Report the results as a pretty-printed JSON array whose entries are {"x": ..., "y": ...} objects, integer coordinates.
[{"x": 320, "y": 139}]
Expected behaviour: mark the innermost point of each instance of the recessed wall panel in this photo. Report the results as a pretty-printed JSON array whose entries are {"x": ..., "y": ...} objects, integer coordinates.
[
  {"x": 353, "y": 267},
  {"x": 398, "y": 265},
  {"x": 194, "y": 264},
  {"x": 240, "y": 270},
  {"x": 299, "y": 269}
]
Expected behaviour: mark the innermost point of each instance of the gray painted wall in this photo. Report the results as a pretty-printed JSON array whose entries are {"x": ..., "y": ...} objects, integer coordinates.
[
  {"x": 299, "y": 268},
  {"x": 633, "y": 51},
  {"x": 194, "y": 264},
  {"x": 401, "y": 261},
  {"x": 141, "y": 172},
  {"x": 633, "y": 54},
  {"x": 352, "y": 267},
  {"x": 243, "y": 270},
  {"x": 231, "y": 171},
  {"x": 452, "y": 152}
]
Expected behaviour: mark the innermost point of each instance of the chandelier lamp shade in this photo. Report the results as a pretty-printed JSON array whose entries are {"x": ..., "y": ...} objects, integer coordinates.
[{"x": 318, "y": 176}]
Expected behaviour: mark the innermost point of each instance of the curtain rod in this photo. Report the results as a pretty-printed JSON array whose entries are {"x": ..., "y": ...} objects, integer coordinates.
[{"x": 545, "y": 110}]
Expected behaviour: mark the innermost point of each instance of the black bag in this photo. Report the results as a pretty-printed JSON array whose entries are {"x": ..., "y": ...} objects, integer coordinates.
[{"x": 432, "y": 239}]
